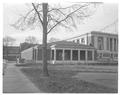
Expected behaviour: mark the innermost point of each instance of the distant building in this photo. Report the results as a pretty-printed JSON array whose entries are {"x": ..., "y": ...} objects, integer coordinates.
[
  {"x": 11, "y": 52},
  {"x": 93, "y": 47},
  {"x": 26, "y": 45},
  {"x": 106, "y": 44}
]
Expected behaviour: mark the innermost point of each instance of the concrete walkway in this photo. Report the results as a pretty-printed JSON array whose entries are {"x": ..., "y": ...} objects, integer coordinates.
[{"x": 14, "y": 81}]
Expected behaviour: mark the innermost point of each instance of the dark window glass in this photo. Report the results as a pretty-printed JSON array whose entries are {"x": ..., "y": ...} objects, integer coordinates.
[
  {"x": 111, "y": 44},
  {"x": 39, "y": 54},
  {"x": 82, "y": 55},
  {"x": 75, "y": 55},
  {"x": 59, "y": 54},
  {"x": 100, "y": 43},
  {"x": 52, "y": 54},
  {"x": 67, "y": 54},
  {"x": 115, "y": 45},
  {"x": 89, "y": 55}
]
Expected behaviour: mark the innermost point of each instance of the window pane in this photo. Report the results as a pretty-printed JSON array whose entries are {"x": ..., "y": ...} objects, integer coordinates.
[
  {"x": 100, "y": 43},
  {"x": 107, "y": 43},
  {"x": 82, "y": 55},
  {"x": 52, "y": 54},
  {"x": 39, "y": 54},
  {"x": 111, "y": 44},
  {"x": 115, "y": 45},
  {"x": 59, "y": 54},
  {"x": 75, "y": 55},
  {"x": 89, "y": 55},
  {"x": 67, "y": 54}
]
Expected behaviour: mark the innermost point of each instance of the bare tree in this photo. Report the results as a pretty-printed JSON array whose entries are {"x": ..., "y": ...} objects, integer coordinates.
[
  {"x": 8, "y": 41},
  {"x": 53, "y": 39},
  {"x": 48, "y": 18},
  {"x": 31, "y": 39}
]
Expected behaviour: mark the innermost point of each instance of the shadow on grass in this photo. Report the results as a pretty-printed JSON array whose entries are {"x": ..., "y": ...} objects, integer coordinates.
[{"x": 61, "y": 81}]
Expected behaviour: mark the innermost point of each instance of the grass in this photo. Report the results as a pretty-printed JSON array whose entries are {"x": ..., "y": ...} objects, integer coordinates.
[{"x": 61, "y": 81}]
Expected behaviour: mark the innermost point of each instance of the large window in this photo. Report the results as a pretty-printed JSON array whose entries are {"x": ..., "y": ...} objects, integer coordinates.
[
  {"x": 89, "y": 55},
  {"x": 111, "y": 44},
  {"x": 82, "y": 55},
  {"x": 77, "y": 40},
  {"x": 107, "y": 43},
  {"x": 67, "y": 55},
  {"x": 59, "y": 54},
  {"x": 74, "y": 54},
  {"x": 52, "y": 55},
  {"x": 115, "y": 44},
  {"x": 100, "y": 43}
]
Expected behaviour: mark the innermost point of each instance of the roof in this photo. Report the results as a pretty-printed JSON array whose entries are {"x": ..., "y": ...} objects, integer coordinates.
[
  {"x": 67, "y": 44},
  {"x": 93, "y": 32}
]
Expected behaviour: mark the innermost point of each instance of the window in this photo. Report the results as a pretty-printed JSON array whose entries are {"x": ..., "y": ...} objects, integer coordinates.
[
  {"x": 100, "y": 43},
  {"x": 115, "y": 44},
  {"x": 82, "y": 40},
  {"x": 67, "y": 54},
  {"x": 89, "y": 55},
  {"x": 39, "y": 54},
  {"x": 111, "y": 44},
  {"x": 82, "y": 55},
  {"x": 92, "y": 40},
  {"x": 74, "y": 54},
  {"x": 107, "y": 43},
  {"x": 59, "y": 54},
  {"x": 77, "y": 40},
  {"x": 52, "y": 54}
]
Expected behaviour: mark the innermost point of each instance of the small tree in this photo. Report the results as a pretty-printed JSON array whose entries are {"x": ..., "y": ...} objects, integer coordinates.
[
  {"x": 52, "y": 39},
  {"x": 8, "y": 41},
  {"x": 31, "y": 40},
  {"x": 50, "y": 17}
]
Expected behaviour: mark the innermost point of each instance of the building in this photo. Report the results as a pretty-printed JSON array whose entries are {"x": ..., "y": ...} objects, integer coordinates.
[
  {"x": 10, "y": 53},
  {"x": 106, "y": 44},
  {"x": 61, "y": 52}
]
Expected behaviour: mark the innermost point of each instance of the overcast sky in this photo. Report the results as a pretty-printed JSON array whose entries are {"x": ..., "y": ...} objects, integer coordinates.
[{"x": 106, "y": 14}]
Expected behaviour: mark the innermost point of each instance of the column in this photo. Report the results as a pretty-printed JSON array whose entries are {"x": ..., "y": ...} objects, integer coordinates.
[
  {"x": 36, "y": 54},
  {"x": 78, "y": 55},
  {"x": 54, "y": 54},
  {"x": 93, "y": 53},
  {"x": 63, "y": 55},
  {"x": 105, "y": 44}
]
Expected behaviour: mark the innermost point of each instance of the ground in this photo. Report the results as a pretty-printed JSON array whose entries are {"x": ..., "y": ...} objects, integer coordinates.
[{"x": 73, "y": 78}]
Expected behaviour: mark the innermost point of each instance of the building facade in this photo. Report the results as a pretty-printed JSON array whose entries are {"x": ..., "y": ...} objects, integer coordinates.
[
  {"x": 61, "y": 52},
  {"x": 10, "y": 53},
  {"x": 106, "y": 44}
]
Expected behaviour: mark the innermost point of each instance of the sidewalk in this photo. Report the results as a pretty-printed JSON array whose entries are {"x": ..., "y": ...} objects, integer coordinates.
[{"x": 16, "y": 82}]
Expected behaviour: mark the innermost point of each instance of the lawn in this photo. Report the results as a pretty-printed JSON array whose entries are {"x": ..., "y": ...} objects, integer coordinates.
[{"x": 61, "y": 81}]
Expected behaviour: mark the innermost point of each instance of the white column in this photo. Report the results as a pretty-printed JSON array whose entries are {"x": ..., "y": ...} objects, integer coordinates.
[
  {"x": 78, "y": 55},
  {"x": 93, "y": 52},
  {"x": 63, "y": 55},
  {"x": 36, "y": 54},
  {"x": 105, "y": 44},
  {"x": 54, "y": 56}
]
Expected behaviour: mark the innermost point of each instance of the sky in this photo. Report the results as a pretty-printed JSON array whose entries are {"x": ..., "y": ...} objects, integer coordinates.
[{"x": 106, "y": 14}]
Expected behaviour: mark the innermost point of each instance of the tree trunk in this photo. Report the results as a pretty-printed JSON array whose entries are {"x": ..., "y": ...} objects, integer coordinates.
[{"x": 44, "y": 54}]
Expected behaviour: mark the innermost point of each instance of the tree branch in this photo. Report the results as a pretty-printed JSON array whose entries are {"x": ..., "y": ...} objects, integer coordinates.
[
  {"x": 37, "y": 13},
  {"x": 66, "y": 17}
]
